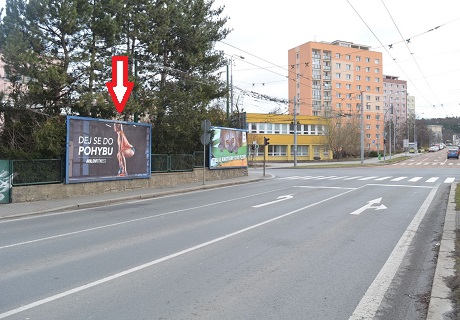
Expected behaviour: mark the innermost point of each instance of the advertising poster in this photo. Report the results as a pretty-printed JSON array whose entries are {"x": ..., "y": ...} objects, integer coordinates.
[
  {"x": 99, "y": 150},
  {"x": 5, "y": 181},
  {"x": 229, "y": 148}
]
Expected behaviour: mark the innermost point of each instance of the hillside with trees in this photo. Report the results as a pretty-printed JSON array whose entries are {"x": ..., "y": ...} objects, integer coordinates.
[{"x": 57, "y": 57}]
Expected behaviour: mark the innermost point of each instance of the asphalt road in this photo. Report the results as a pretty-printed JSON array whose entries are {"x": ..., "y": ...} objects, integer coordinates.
[{"x": 350, "y": 243}]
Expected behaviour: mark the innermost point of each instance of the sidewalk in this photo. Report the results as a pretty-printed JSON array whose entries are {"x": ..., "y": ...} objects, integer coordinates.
[{"x": 21, "y": 209}]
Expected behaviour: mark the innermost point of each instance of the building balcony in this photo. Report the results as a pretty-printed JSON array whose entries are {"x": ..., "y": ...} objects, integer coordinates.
[
  {"x": 327, "y": 98},
  {"x": 327, "y": 57},
  {"x": 316, "y": 77},
  {"x": 327, "y": 68},
  {"x": 327, "y": 77},
  {"x": 316, "y": 56},
  {"x": 316, "y": 66}
]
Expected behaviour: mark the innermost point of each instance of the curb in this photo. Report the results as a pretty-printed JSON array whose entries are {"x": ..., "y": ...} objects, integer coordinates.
[
  {"x": 100, "y": 203},
  {"x": 440, "y": 301}
]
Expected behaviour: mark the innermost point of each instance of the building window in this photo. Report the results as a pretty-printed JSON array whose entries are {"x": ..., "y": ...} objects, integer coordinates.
[
  {"x": 358, "y": 87},
  {"x": 261, "y": 128},
  {"x": 316, "y": 151},
  {"x": 338, "y": 65},
  {"x": 358, "y": 68},
  {"x": 348, "y": 57},
  {"x": 337, "y": 75},
  {"x": 377, "y": 70},
  {"x": 348, "y": 85},
  {"x": 338, "y": 105},
  {"x": 377, "y": 61},
  {"x": 368, "y": 88},
  {"x": 368, "y": 69},
  {"x": 368, "y": 78},
  {"x": 358, "y": 58},
  {"x": 301, "y": 150},
  {"x": 358, "y": 77},
  {"x": 368, "y": 116},
  {"x": 348, "y": 66},
  {"x": 337, "y": 55},
  {"x": 277, "y": 150},
  {"x": 368, "y": 59},
  {"x": 348, "y": 76},
  {"x": 377, "y": 79}
]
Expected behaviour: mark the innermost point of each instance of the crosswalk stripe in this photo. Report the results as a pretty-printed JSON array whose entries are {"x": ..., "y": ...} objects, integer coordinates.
[
  {"x": 367, "y": 178},
  {"x": 362, "y": 178},
  {"x": 398, "y": 179}
]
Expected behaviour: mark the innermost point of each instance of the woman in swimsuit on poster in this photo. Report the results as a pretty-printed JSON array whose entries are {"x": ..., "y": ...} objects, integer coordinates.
[{"x": 125, "y": 149}]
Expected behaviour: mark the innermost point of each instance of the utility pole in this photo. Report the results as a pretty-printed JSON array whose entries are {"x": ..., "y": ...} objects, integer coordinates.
[
  {"x": 295, "y": 131},
  {"x": 228, "y": 95},
  {"x": 362, "y": 127}
]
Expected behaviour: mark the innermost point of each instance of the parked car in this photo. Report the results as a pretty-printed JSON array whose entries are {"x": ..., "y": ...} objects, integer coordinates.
[
  {"x": 433, "y": 149},
  {"x": 452, "y": 153}
]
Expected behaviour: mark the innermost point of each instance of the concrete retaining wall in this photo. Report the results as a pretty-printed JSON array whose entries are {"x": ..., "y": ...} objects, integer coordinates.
[{"x": 59, "y": 191}]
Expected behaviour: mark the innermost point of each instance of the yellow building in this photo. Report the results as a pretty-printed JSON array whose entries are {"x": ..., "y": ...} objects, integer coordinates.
[{"x": 280, "y": 130}]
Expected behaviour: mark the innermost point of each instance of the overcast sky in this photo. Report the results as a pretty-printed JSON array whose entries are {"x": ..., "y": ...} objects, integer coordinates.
[{"x": 264, "y": 31}]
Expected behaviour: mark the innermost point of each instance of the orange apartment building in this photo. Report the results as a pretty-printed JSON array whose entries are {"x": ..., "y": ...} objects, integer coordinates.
[{"x": 329, "y": 79}]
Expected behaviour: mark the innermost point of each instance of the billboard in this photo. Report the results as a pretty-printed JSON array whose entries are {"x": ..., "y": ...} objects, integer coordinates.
[
  {"x": 228, "y": 148},
  {"x": 99, "y": 150}
]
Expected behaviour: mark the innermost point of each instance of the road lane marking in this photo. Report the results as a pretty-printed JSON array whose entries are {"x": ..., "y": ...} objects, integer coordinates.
[
  {"x": 370, "y": 302},
  {"x": 157, "y": 261},
  {"x": 449, "y": 180},
  {"x": 132, "y": 220},
  {"x": 433, "y": 179},
  {"x": 415, "y": 179}
]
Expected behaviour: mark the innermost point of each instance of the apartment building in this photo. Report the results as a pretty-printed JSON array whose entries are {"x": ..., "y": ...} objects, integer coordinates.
[
  {"x": 330, "y": 79},
  {"x": 395, "y": 100}
]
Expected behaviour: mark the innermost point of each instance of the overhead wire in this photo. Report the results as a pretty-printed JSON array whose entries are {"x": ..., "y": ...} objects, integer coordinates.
[{"x": 406, "y": 42}]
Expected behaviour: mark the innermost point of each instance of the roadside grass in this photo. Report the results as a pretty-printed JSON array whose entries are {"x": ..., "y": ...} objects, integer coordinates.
[{"x": 454, "y": 281}]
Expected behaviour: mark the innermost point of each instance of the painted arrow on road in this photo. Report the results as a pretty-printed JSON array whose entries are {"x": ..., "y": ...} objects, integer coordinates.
[
  {"x": 280, "y": 198},
  {"x": 369, "y": 205}
]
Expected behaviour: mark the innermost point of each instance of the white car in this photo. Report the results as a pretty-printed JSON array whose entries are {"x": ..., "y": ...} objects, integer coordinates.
[{"x": 433, "y": 149}]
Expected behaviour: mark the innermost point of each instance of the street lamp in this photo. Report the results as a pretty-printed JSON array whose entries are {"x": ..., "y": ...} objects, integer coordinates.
[{"x": 231, "y": 78}]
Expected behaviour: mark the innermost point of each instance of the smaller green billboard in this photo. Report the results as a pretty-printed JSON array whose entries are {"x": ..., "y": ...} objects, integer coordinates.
[{"x": 5, "y": 181}]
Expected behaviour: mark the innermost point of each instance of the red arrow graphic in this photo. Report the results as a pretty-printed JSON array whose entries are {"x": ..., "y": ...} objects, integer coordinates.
[{"x": 120, "y": 88}]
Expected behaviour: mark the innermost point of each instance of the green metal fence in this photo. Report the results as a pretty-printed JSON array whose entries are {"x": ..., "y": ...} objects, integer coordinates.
[
  {"x": 173, "y": 162},
  {"x": 198, "y": 159},
  {"x": 46, "y": 171},
  {"x": 38, "y": 171}
]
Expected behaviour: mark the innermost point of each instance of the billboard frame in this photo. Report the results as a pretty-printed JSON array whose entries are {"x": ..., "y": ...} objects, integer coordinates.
[
  {"x": 211, "y": 145},
  {"x": 146, "y": 175}
]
